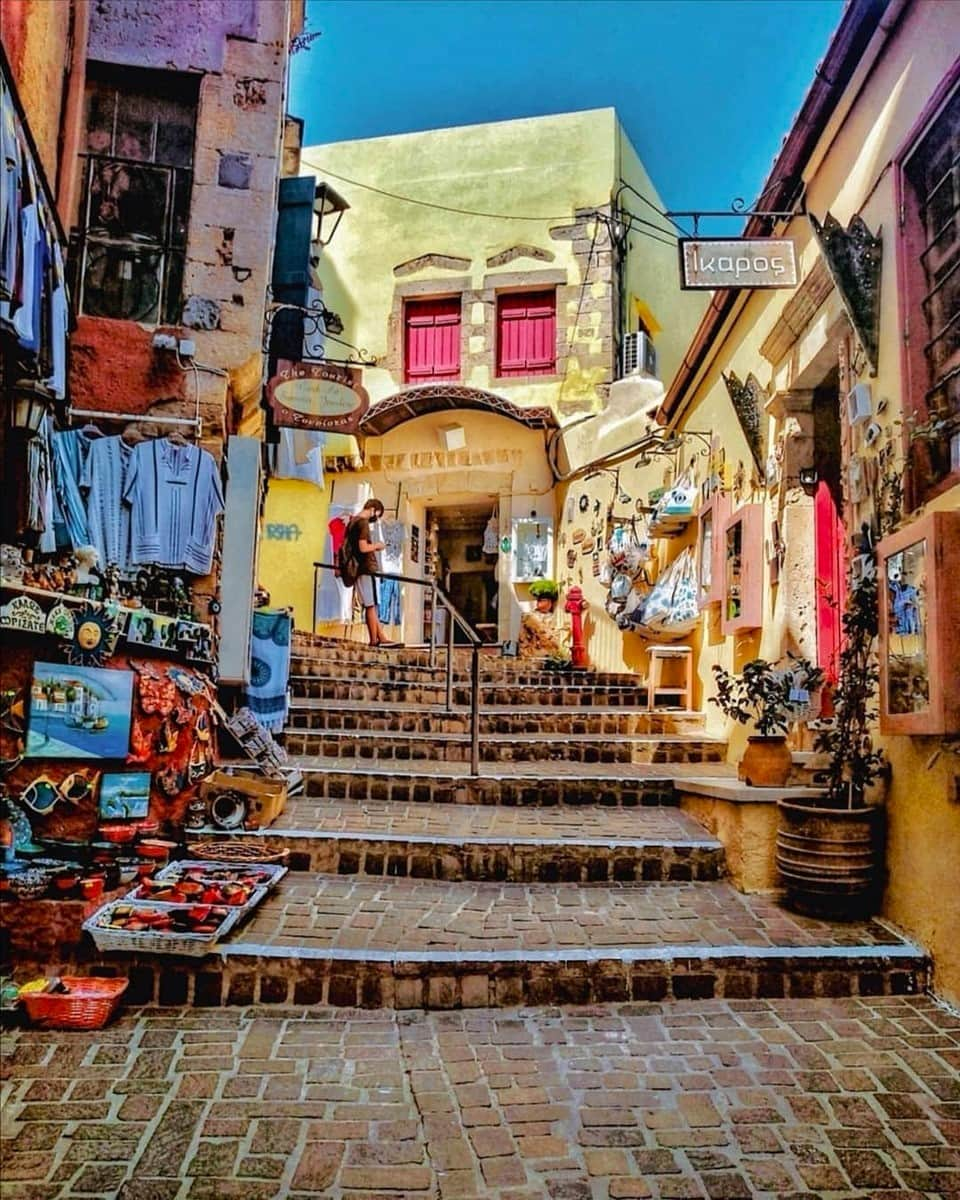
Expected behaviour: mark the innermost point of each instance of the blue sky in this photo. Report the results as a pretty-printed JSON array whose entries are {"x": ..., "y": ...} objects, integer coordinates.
[{"x": 706, "y": 89}]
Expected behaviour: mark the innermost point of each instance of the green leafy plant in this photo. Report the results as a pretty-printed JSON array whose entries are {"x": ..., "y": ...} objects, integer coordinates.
[
  {"x": 855, "y": 763},
  {"x": 545, "y": 589},
  {"x": 761, "y": 693}
]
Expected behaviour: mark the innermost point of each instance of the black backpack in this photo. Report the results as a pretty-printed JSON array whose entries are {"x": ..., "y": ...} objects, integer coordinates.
[{"x": 348, "y": 565}]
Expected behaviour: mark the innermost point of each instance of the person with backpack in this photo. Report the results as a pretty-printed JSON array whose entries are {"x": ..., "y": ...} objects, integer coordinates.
[{"x": 358, "y": 565}]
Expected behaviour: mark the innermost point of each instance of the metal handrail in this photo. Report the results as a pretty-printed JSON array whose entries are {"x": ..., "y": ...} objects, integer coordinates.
[{"x": 456, "y": 617}]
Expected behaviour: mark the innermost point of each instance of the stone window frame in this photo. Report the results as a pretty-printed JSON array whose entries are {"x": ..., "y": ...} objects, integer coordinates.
[{"x": 170, "y": 246}]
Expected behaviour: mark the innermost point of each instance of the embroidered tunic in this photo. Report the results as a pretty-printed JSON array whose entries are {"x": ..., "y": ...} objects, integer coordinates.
[
  {"x": 108, "y": 520},
  {"x": 175, "y": 498}
]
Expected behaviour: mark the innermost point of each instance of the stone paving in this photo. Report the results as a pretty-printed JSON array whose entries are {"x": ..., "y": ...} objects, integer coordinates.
[
  {"x": 849, "y": 1099},
  {"x": 462, "y": 822},
  {"x": 412, "y": 915},
  {"x": 600, "y": 772}
]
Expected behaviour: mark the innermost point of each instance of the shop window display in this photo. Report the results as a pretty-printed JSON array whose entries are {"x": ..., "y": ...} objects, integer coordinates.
[{"x": 920, "y": 627}]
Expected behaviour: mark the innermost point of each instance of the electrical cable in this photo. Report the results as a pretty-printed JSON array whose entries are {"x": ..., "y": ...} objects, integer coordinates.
[
  {"x": 469, "y": 212},
  {"x": 465, "y": 212}
]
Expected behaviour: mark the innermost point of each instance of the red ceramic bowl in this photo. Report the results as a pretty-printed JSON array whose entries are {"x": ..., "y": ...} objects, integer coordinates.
[
  {"x": 118, "y": 833},
  {"x": 155, "y": 848}
]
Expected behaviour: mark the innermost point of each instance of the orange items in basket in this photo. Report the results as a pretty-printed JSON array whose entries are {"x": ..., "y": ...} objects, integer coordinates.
[{"x": 84, "y": 1004}]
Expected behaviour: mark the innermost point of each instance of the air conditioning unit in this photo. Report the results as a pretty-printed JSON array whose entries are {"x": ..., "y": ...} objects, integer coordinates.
[{"x": 639, "y": 355}]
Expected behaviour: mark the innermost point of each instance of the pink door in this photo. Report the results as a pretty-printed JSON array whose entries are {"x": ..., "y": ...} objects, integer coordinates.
[{"x": 830, "y": 582}]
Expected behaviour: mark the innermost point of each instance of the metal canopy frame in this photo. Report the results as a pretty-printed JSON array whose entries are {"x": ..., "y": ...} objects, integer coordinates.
[{"x": 432, "y": 398}]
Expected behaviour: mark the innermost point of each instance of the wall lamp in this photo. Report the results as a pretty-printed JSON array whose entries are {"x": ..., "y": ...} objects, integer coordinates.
[
  {"x": 328, "y": 209},
  {"x": 30, "y": 404}
]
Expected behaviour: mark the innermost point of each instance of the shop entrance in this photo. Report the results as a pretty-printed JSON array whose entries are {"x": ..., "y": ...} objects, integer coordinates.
[{"x": 455, "y": 553}]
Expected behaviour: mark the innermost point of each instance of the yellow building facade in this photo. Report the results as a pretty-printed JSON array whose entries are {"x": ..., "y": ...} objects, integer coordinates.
[
  {"x": 852, "y": 380},
  {"x": 480, "y": 218}
]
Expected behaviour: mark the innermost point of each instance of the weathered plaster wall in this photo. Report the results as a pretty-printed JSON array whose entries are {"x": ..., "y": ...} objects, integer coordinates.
[
  {"x": 145, "y": 33},
  {"x": 849, "y": 173},
  {"x": 44, "y": 43},
  {"x": 547, "y": 167}
]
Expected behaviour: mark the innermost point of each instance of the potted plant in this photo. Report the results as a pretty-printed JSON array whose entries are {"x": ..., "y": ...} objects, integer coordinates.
[
  {"x": 829, "y": 850},
  {"x": 763, "y": 694},
  {"x": 546, "y": 593}
]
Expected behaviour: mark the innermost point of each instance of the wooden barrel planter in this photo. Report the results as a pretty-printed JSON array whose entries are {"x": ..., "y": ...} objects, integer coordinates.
[{"x": 830, "y": 859}]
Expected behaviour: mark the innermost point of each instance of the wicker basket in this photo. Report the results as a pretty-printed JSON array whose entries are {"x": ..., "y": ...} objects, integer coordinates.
[
  {"x": 194, "y": 945},
  {"x": 215, "y": 869},
  {"x": 239, "y": 851},
  {"x": 87, "y": 1003}
]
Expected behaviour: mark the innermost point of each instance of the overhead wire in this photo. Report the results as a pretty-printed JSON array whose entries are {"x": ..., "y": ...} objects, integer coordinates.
[{"x": 636, "y": 220}]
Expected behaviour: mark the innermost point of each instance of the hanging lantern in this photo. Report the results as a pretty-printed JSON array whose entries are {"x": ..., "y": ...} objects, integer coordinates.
[{"x": 29, "y": 405}]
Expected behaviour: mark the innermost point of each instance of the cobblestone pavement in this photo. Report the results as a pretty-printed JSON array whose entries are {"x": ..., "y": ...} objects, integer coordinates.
[
  {"x": 816, "y": 1098},
  {"x": 414, "y": 914},
  {"x": 462, "y": 822}
]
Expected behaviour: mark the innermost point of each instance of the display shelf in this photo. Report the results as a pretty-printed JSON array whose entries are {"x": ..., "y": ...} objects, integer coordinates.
[
  {"x": 920, "y": 627},
  {"x": 669, "y": 525},
  {"x": 742, "y": 550}
]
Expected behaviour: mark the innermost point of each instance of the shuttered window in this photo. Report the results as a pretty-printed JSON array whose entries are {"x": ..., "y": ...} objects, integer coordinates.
[
  {"x": 527, "y": 333},
  {"x": 930, "y": 225},
  {"x": 432, "y": 339}
]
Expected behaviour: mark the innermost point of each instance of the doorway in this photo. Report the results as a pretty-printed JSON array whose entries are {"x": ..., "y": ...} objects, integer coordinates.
[{"x": 455, "y": 541}]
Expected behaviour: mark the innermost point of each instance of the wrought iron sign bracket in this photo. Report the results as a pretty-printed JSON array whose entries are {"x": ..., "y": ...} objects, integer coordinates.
[
  {"x": 738, "y": 208},
  {"x": 853, "y": 257}
]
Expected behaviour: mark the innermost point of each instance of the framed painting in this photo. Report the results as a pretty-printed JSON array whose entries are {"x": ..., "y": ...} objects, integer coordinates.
[
  {"x": 79, "y": 712},
  {"x": 125, "y": 795}
]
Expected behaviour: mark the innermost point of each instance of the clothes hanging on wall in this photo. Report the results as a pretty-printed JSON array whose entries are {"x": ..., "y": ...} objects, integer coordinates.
[
  {"x": 104, "y": 479},
  {"x": 31, "y": 261},
  {"x": 175, "y": 495},
  {"x": 70, "y": 450},
  {"x": 389, "y": 599},
  {"x": 266, "y": 695},
  {"x": 298, "y": 455}
]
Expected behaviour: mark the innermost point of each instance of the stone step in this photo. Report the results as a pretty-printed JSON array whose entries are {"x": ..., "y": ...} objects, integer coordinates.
[
  {"x": 492, "y": 666},
  {"x": 366, "y": 747},
  {"x": 393, "y": 691},
  {"x": 411, "y": 943},
  {"x": 471, "y": 842},
  {"x": 429, "y": 718},
  {"x": 546, "y": 784},
  {"x": 523, "y": 676}
]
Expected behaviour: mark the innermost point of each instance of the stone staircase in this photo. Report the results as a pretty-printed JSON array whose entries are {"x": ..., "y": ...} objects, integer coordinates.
[{"x": 564, "y": 873}]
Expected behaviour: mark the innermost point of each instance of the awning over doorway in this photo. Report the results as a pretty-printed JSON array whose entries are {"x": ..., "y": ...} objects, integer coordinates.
[{"x": 431, "y": 398}]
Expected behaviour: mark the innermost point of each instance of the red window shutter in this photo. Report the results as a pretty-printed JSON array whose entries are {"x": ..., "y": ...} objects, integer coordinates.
[
  {"x": 527, "y": 334},
  {"x": 432, "y": 339}
]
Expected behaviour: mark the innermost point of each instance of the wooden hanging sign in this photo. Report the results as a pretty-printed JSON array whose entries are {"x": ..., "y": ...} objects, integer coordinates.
[{"x": 317, "y": 396}]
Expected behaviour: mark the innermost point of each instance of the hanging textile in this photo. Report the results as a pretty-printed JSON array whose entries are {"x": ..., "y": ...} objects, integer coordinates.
[
  {"x": 104, "y": 479},
  {"x": 175, "y": 495},
  {"x": 389, "y": 591},
  {"x": 266, "y": 695},
  {"x": 70, "y": 450},
  {"x": 298, "y": 455}
]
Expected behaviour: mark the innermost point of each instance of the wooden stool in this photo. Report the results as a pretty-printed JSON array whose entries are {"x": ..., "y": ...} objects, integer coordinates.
[{"x": 683, "y": 695}]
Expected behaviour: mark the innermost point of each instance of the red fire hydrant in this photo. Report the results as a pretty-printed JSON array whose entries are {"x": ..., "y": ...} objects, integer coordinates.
[{"x": 576, "y": 606}]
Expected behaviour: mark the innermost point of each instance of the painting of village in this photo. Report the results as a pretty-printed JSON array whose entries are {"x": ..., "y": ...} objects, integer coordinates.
[{"x": 79, "y": 712}]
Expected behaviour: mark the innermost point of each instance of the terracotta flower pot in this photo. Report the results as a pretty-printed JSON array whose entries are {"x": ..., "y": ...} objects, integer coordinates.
[
  {"x": 545, "y": 604},
  {"x": 766, "y": 762}
]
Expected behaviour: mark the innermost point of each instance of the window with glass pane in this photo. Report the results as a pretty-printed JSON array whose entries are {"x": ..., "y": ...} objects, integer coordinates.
[
  {"x": 131, "y": 229},
  {"x": 932, "y": 219}
]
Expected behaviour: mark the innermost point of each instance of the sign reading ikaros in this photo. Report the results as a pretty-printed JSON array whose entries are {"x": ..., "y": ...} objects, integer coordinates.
[{"x": 710, "y": 263}]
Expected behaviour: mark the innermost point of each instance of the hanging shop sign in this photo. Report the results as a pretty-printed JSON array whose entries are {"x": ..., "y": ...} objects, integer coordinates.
[
  {"x": 24, "y": 614},
  {"x": 317, "y": 396},
  {"x": 713, "y": 263}
]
